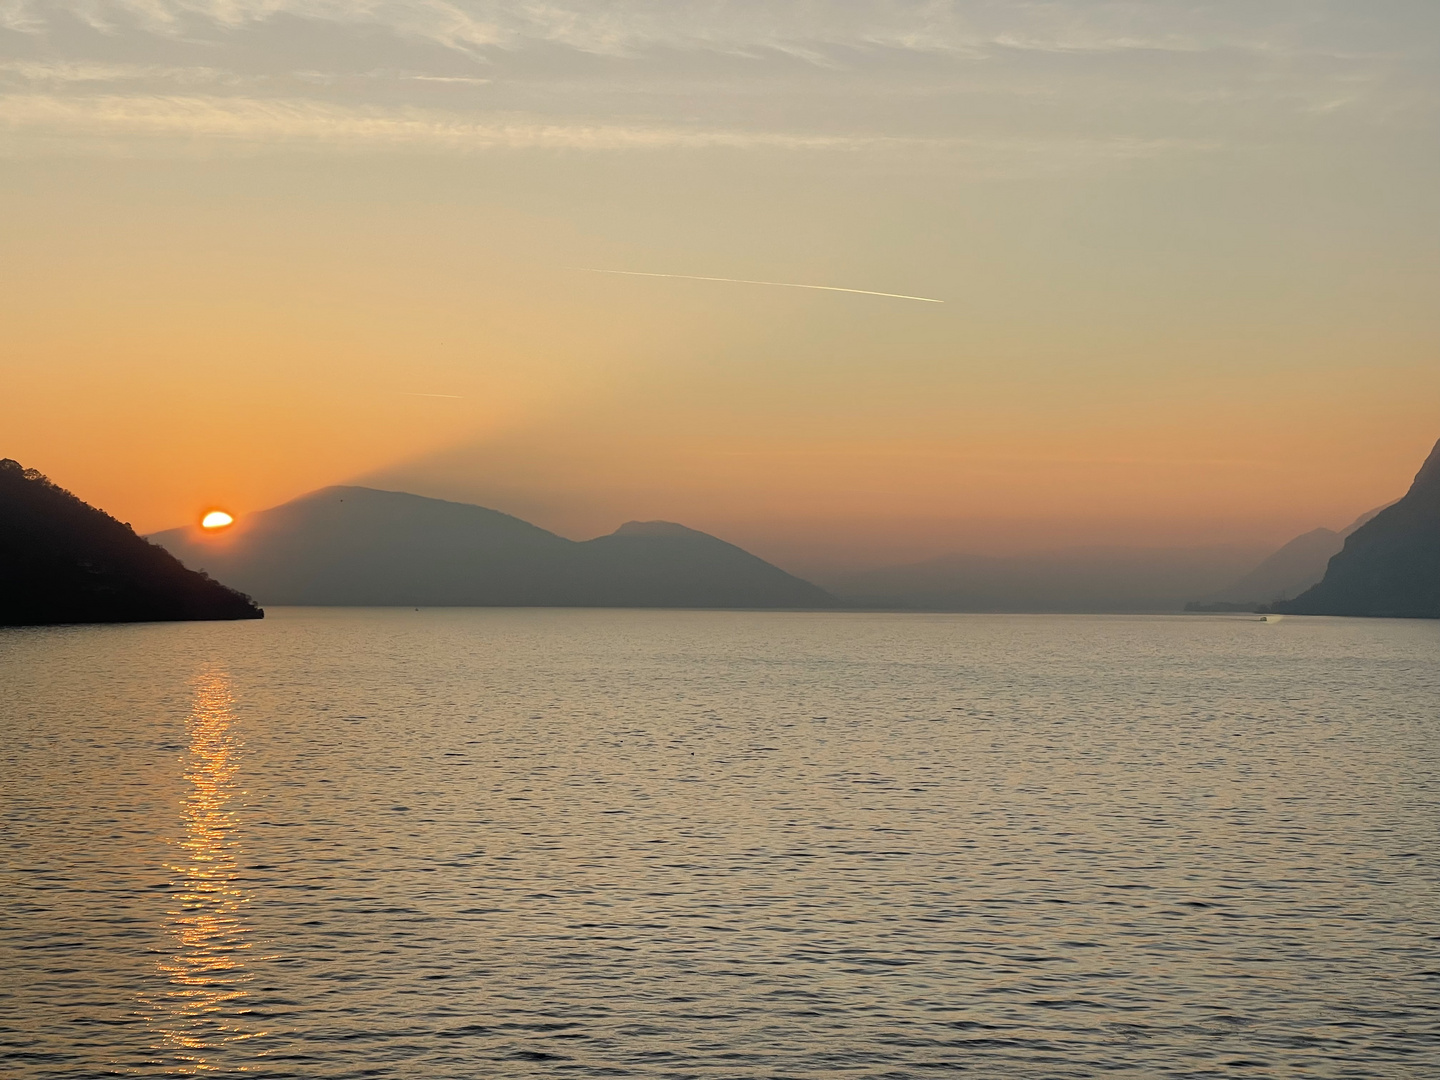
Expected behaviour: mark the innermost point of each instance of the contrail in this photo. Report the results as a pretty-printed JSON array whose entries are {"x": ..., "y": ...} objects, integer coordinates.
[
  {"x": 410, "y": 393},
  {"x": 747, "y": 281}
]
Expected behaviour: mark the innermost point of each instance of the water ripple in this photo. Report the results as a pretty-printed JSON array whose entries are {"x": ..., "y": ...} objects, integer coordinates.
[{"x": 720, "y": 845}]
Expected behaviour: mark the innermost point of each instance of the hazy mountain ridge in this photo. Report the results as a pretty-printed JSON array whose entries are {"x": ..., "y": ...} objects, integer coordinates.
[
  {"x": 362, "y": 546},
  {"x": 1092, "y": 579},
  {"x": 64, "y": 561},
  {"x": 1390, "y": 566},
  {"x": 355, "y": 546}
]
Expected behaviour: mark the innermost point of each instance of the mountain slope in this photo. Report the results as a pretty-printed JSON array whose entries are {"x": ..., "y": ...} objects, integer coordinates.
[
  {"x": 63, "y": 561},
  {"x": 354, "y": 546},
  {"x": 1290, "y": 570},
  {"x": 1391, "y": 565}
]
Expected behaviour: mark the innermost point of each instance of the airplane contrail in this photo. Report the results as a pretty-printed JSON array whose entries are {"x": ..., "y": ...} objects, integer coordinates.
[
  {"x": 747, "y": 281},
  {"x": 411, "y": 393}
]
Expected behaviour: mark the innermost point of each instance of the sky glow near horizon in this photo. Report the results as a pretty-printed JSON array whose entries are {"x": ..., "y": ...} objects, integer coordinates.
[{"x": 1190, "y": 253}]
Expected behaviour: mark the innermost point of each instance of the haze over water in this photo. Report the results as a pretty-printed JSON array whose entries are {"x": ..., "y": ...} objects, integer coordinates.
[{"x": 469, "y": 843}]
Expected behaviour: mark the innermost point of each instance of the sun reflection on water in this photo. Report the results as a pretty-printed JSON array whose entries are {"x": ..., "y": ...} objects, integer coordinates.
[{"x": 200, "y": 1010}]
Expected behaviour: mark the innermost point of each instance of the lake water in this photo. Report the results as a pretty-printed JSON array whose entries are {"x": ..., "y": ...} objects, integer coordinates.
[{"x": 488, "y": 843}]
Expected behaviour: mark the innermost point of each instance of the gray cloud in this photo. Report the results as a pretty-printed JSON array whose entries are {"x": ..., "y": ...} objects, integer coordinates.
[{"x": 1045, "y": 82}]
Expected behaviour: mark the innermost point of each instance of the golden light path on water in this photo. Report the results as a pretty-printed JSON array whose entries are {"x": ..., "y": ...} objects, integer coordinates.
[{"x": 200, "y": 1012}]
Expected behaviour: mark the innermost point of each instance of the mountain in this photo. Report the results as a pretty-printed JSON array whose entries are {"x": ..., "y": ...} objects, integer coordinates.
[
  {"x": 356, "y": 546},
  {"x": 1287, "y": 573},
  {"x": 1075, "y": 580},
  {"x": 63, "y": 561},
  {"x": 1390, "y": 566},
  {"x": 661, "y": 564}
]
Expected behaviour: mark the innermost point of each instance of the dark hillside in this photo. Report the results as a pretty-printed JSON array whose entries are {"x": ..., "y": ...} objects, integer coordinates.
[
  {"x": 63, "y": 561},
  {"x": 1390, "y": 566}
]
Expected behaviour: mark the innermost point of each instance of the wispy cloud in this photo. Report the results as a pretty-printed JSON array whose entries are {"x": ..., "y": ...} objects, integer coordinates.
[
  {"x": 77, "y": 72},
  {"x": 1020, "y": 86},
  {"x": 298, "y": 120},
  {"x": 250, "y": 123},
  {"x": 455, "y": 80},
  {"x": 808, "y": 31}
]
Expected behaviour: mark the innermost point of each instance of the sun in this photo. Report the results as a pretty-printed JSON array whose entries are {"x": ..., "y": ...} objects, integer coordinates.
[{"x": 216, "y": 519}]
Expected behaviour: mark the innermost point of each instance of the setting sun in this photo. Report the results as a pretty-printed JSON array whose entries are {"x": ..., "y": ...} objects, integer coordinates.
[{"x": 216, "y": 519}]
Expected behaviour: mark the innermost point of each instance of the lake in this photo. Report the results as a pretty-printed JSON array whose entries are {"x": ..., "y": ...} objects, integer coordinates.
[{"x": 524, "y": 843}]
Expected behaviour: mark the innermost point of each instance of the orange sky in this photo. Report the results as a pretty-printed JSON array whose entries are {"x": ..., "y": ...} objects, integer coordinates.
[{"x": 1189, "y": 284}]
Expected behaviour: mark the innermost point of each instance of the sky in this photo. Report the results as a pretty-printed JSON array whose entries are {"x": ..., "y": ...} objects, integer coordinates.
[{"x": 1188, "y": 253}]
